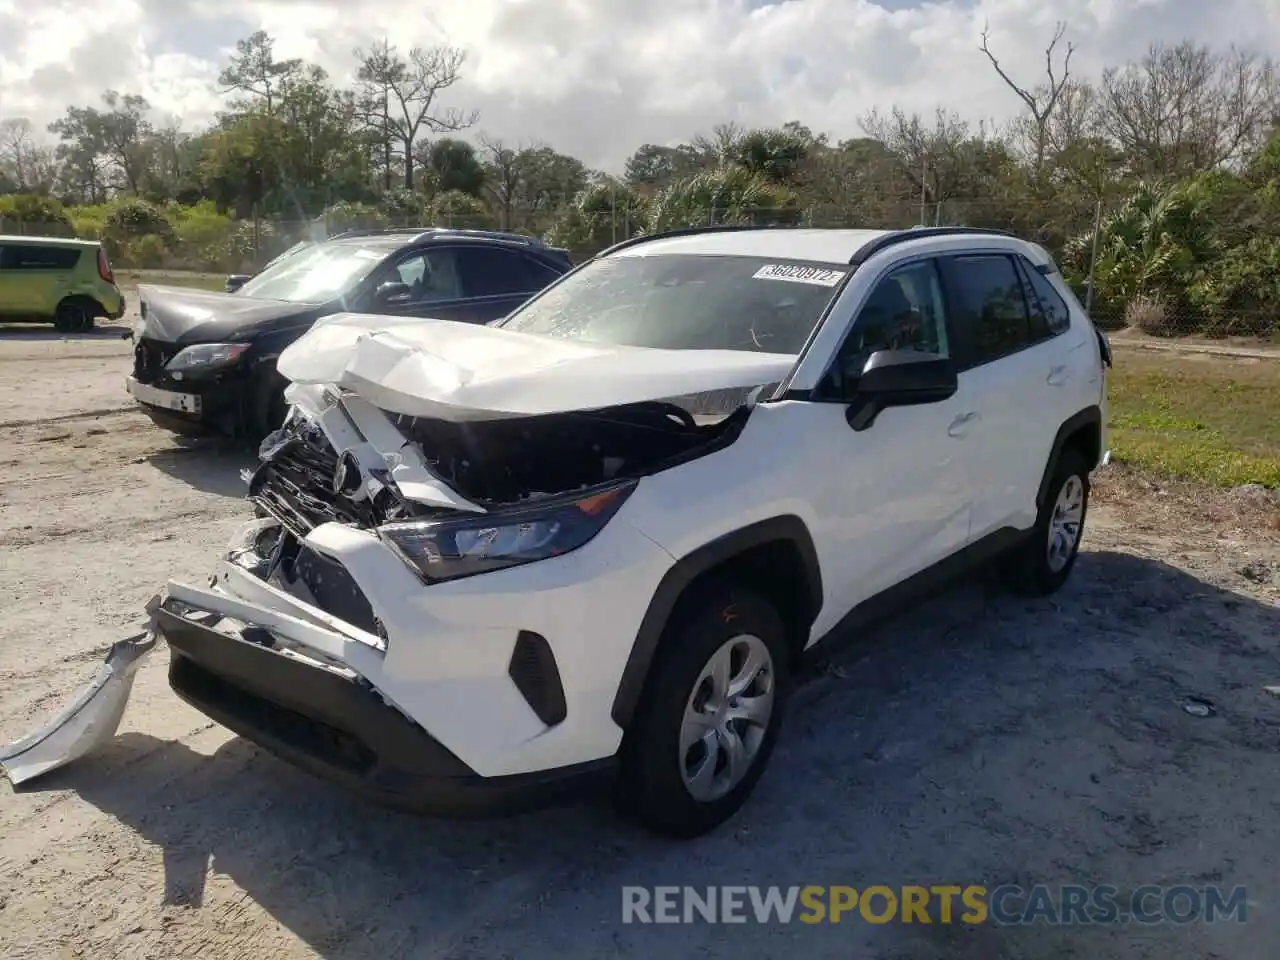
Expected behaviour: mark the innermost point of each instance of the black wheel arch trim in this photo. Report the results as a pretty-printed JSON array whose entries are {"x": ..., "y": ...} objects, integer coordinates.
[
  {"x": 1089, "y": 417},
  {"x": 788, "y": 528}
]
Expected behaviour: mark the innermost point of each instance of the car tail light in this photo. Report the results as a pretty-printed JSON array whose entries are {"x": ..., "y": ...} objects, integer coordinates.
[{"x": 104, "y": 267}]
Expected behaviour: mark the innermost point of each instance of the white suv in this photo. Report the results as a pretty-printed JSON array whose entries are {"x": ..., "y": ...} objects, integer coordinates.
[{"x": 594, "y": 542}]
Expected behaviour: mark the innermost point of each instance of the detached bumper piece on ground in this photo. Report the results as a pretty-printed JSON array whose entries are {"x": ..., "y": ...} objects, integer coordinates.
[{"x": 87, "y": 723}]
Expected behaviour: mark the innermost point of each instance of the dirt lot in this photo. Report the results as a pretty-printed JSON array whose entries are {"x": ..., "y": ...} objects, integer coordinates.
[{"x": 980, "y": 739}]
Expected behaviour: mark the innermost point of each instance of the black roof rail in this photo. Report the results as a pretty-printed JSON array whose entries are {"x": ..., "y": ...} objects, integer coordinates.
[
  {"x": 682, "y": 232},
  {"x": 894, "y": 237}
]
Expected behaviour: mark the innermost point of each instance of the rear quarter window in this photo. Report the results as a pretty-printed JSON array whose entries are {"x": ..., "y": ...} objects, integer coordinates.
[{"x": 1054, "y": 309}]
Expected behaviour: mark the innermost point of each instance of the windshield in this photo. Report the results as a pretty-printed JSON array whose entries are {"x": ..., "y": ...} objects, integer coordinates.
[
  {"x": 314, "y": 275},
  {"x": 685, "y": 302}
]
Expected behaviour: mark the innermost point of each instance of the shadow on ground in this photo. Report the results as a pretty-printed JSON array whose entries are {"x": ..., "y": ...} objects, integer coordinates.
[
  {"x": 111, "y": 330},
  {"x": 980, "y": 739},
  {"x": 211, "y": 465}
]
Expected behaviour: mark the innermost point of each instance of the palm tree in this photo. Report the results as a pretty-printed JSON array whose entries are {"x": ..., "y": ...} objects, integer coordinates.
[
  {"x": 727, "y": 195},
  {"x": 1151, "y": 245}
]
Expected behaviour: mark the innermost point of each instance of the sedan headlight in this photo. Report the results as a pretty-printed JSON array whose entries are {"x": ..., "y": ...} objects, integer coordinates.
[
  {"x": 463, "y": 547},
  {"x": 206, "y": 356}
]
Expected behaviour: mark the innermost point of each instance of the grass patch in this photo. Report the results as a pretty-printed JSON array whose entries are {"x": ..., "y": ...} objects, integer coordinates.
[
  {"x": 1208, "y": 419},
  {"x": 173, "y": 278}
]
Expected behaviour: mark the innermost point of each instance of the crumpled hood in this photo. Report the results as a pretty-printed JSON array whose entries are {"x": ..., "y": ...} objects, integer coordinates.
[
  {"x": 458, "y": 371},
  {"x": 182, "y": 315}
]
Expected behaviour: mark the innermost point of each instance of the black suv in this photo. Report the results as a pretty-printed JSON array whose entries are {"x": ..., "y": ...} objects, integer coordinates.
[{"x": 204, "y": 362}]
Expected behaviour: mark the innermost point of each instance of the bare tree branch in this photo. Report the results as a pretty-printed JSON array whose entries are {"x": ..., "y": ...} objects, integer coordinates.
[
  {"x": 1040, "y": 102},
  {"x": 409, "y": 90}
]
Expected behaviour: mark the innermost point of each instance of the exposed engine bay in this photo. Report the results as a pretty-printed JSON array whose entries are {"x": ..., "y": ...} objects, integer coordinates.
[
  {"x": 304, "y": 482},
  {"x": 507, "y": 461}
]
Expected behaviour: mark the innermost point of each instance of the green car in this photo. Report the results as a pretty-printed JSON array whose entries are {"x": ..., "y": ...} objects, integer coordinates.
[{"x": 49, "y": 278}]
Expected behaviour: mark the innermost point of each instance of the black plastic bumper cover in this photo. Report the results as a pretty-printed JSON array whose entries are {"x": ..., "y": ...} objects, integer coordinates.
[{"x": 341, "y": 730}]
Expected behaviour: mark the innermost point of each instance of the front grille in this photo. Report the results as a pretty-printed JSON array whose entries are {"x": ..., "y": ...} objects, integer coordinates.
[
  {"x": 149, "y": 358},
  {"x": 296, "y": 485}
]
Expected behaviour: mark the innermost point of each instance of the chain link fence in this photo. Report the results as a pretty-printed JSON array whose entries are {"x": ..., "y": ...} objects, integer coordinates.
[{"x": 200, "y": 242}]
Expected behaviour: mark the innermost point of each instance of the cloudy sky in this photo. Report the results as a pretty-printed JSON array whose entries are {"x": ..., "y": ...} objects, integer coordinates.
[{"x": 597, "y": 77}]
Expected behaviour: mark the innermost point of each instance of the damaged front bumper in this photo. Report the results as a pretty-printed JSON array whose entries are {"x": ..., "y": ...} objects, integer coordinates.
[
  {"x": 330, "y": 722},
  {"x": 430, "y": 699}
]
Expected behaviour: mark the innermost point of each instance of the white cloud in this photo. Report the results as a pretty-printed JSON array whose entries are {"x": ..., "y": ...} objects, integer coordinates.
[{"x": 598, "y": 77}]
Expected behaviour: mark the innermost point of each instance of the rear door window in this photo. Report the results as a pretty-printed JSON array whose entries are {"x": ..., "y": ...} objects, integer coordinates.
[
  {"x": 38, "y": 257},
  {"x": 495, "y": 271},
  {"x": 990, "y": 305}
]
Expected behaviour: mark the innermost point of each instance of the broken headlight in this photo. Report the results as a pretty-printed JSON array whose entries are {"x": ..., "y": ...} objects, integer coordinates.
[
  {"x": 206, "y": 356},
  {"x": 463, "y": 547}
]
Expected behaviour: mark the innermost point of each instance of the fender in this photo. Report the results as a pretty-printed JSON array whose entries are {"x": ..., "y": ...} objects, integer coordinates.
[
  {"x": 1086, "y": 418},
  {"x": 688, "y": 568}
]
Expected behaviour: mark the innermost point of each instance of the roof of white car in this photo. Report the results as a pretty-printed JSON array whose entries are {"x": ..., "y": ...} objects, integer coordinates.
[{"x": 824, "y": 246}]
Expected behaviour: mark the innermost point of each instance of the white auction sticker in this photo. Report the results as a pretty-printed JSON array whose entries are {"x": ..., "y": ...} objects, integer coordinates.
[{"x": 822, "y": 276}]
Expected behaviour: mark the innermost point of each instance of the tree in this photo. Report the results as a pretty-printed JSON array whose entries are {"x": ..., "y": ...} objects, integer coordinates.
[
  {"x": 530, "y": 184},
  {"x": 319, "y": 158},
  {"x": 107, "y": 140},
  {"x": 410, "y": 90},
  {"x": 1151, "y": 244},
  {"x": 239, "y": 164},
  {"x": 26, "y": 164},
  {"x": 504, "y": 177},
  {"x": 1041, "y": 101},
  {"x": 452, "y": 165},
  {"x": 549, "y": 181},
  {"x": 937, "y": 159},
  {"x": 776, "y": 155},
  {"x": 602, "y": 214},
  {"x": 728, "y": 195},
  {"x": 255, "y": 72},
  {"x": 653, "y": 165},
  {"x": 858, "y": 181},
  {"x": 1185, "y": 109},
  {"x": 713, "y": 149}
]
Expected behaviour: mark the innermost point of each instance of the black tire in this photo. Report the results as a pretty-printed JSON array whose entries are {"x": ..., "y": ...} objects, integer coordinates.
[
  {"x": 652, "y": 788},
  {"x": 268, "y": 406},
  {"x": 1028, "y": 570},
  {"x": 73, "y": 316}
]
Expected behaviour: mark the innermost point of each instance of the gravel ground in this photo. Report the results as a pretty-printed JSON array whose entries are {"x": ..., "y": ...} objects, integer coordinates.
[{"x": 978, "y": 739}]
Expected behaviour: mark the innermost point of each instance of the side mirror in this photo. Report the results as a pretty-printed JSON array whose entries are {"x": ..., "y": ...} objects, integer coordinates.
[
  {"x": 237, "y": 280},
  {"x": 900, "y": 378},
  {"x": 393, "y": 291}
]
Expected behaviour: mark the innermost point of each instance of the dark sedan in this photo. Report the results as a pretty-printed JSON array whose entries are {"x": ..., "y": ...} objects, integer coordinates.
[{"x": 204, "y": 362}]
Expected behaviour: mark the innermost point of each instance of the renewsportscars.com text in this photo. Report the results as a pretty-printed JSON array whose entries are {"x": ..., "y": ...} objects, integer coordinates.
[{"x": 942, "y": 903}]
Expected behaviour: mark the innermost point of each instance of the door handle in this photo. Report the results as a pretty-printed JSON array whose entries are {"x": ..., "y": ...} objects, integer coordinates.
[
  {"x": 1058, "y": 376},
  {"x": 959, "y": 423}
]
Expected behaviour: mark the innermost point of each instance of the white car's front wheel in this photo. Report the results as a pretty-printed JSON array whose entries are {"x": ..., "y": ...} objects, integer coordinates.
[{"x": 711, "y": 713}]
